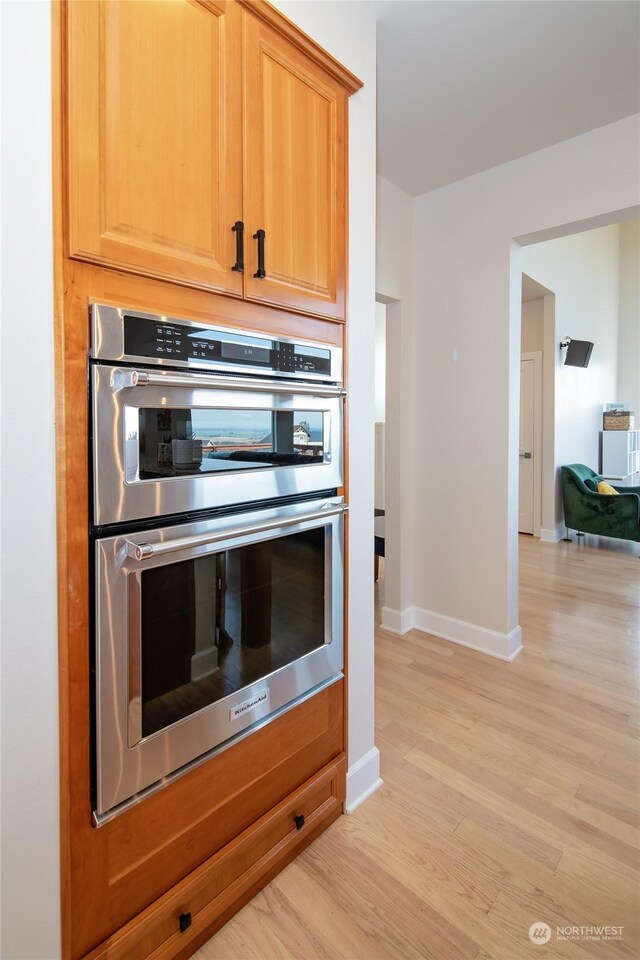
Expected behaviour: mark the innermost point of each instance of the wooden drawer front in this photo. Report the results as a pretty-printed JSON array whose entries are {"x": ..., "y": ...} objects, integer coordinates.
[
  {"x": 221, "y": 885},
  {"x": 162, "y": 840}
]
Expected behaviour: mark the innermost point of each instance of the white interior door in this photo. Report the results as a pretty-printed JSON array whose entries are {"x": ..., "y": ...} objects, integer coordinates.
[{"x": 527, "y": 428}]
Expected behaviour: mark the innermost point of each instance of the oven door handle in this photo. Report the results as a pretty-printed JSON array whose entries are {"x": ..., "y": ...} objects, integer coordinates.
[
  {"x": 145, "y": 551},
  {"x": 122, "y": 379}
]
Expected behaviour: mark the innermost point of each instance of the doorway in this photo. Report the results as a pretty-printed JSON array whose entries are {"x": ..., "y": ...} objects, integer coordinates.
[
  {"x": 380, "y": 392},
  {"x": 536, "y": 342},
  {"x": 391, "y": 537},
  {"x": 380, "y": 404},
  {"x": 528, "y": 497}
]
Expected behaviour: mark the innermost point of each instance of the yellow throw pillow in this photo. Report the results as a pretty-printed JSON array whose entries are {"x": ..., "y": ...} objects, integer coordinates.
[{"x": 604, "y": 487}]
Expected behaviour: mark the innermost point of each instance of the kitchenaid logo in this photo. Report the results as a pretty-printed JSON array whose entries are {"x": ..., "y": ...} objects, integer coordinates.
[
  {"x": 241, "y": 708},
  {"x": 540, "y": 933}
]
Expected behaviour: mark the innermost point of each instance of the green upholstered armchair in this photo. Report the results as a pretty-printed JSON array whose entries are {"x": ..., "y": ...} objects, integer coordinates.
[{"x": 606, "y": 515}]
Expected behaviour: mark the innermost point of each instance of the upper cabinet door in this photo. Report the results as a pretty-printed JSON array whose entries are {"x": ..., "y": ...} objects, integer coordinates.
[
  {"x": 295, "y": 125},
  {"x": 155, "y": 138}
]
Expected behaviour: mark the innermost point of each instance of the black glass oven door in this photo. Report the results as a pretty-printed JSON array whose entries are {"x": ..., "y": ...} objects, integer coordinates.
[{"x": 217, "y": 623}]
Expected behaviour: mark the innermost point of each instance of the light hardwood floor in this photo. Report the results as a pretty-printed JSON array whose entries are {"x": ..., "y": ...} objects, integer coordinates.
[{"x": 510, "y": 793}]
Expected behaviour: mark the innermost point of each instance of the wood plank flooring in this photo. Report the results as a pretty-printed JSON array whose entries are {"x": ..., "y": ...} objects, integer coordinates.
[{"x": 510, "y": 796}]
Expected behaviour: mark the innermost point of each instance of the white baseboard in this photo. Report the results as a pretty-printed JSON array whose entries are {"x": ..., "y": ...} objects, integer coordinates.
[
  {"x": 363, "y": 779},
  {"x": 396, "y": 621},
  {"x": 552, "y": 536},
  {"x": 504, "y": 646}
]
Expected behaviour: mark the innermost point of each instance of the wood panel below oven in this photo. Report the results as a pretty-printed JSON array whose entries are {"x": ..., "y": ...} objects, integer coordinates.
[
  {"x": 176, "y": 924},
  {"x": 131, "y": 861}
]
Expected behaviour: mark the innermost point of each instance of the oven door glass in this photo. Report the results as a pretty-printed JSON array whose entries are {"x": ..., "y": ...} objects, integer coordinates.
[
  {"x": 178, "y": 443},
  {"x": 215, "y": 624},
  {"x": 174, "y": 442},
  {"x": 206, "y": 629}
]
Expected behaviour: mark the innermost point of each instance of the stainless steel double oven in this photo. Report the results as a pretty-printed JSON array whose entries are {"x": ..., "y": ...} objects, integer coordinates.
[{"x": 217, "y": 540}]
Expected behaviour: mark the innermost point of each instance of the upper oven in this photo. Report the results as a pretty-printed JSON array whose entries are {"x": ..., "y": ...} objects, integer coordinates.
[{"x": 187, "y": 417}]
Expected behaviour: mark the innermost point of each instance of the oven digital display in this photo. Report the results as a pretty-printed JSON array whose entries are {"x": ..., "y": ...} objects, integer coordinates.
[{"x": 247, "y": 354}]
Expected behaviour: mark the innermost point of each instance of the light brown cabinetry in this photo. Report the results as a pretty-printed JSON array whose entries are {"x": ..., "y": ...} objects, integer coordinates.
[
  {"x": 177, "y": 923},
  {"x": 187, "y": 116},
  {"x": 173, "y": 119},
  {"x": 295, "y": 163},
  {"x": 154, "y": 162},
  {"x": 126, "y": 883}
]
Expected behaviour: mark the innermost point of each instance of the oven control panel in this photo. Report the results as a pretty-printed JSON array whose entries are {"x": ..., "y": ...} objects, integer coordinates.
[{"x": 130, "y": 336}]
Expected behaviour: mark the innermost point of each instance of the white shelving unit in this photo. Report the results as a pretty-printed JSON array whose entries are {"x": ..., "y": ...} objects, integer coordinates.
[{"x": 620, "y": 453}]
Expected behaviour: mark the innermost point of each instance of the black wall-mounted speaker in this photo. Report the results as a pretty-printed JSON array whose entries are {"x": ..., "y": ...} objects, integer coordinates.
[{"x": 578, "y": 353}]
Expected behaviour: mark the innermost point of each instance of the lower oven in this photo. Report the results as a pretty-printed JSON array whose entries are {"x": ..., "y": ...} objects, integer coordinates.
[{"x": 204, "y": 631}]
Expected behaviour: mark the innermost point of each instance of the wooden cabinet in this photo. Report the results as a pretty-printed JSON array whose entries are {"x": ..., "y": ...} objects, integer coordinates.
[
  {"x": 125, "y": 883},
  {"x": 173, "y": 120},
  {"x": 177, "y": 923},
  {"x": 186, "y": 116},
  {"x": 154, "y": 148},
  {"x": 295, "y": 166}
]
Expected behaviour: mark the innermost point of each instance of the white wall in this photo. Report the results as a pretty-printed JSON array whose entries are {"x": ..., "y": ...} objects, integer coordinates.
[
  {"x": 582, "y": 271},
  {"x": 532, "y": 326},
  {"x": 467, "y": 296},
  {"x": 30, "y": 813},
  {"x": 629, "y": 330},
  {"x": 394, "y": 271},
  {"x": 393, "y": 241}
]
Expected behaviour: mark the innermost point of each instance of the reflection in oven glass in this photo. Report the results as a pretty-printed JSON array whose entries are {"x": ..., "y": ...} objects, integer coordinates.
[
  {"x": 177, "y": 442},
  {"x": 216, "y": 624}
]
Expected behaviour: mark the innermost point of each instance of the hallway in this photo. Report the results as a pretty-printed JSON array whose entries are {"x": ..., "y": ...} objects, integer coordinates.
[{"x": 510, "y": 794}]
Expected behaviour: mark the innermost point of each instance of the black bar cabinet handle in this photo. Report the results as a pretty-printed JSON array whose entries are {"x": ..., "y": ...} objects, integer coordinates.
[
  {"x": 238, "y": 229},
  {"x": 259, "y": 236}
]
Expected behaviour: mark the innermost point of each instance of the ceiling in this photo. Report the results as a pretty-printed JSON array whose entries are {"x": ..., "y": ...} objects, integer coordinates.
[{"x": 464, "y": 85}]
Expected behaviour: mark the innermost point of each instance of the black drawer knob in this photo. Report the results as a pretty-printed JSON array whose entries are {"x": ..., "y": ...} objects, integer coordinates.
[
  {"x": 299, "y": 821},
  {"x": 185, "y": 921}
]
